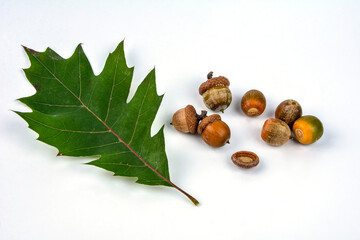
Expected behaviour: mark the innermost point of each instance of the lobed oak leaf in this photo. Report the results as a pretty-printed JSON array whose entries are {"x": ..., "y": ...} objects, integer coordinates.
[{"x": 86, "y": 115}]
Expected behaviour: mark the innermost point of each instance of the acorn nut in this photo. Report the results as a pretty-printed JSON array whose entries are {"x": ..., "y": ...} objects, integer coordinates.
[
  {"x": 288, "y": 111},
  {"x": 245, "y": 159},
  {"x": 253, "y": 103},
  {"x": 186, "y": 119},
  {"x": 216, "y": 93},
  {"x": 275, "y": 132},
  {"x": 308, "y": 129},
  {"x": 214, "y": 131}
]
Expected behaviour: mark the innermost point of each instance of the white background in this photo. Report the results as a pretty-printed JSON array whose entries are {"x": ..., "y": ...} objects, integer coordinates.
[{"x": 305, "y": 50}]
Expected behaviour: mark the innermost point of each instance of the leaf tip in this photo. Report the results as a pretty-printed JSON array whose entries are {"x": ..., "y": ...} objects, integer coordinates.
[
  {"x": 29, "y": 50},
  {"x": 20, "y": 100},
  {"x": 120, "y": 46},
  {"x": 152, "y": 72},
  {"x": 79, "y": 46},
  {"x": 14, "y": 111},
  {"x": 48, "y": 50}
]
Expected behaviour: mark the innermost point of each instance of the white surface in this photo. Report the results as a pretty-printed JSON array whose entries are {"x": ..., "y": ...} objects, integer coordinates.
[{"x": 307, "y": 51}]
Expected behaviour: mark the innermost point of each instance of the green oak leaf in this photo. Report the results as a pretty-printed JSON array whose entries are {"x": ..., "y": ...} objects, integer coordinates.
[{"x": 86, "y": 115}]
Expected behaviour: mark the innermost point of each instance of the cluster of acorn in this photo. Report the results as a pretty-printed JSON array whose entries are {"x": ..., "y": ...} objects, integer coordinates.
[
  {"x": 216, "y": 133},
  {"x": 288, "y": 115},
  {"x": 217, "y": 96},
  {"x": 212, "y": 130}
]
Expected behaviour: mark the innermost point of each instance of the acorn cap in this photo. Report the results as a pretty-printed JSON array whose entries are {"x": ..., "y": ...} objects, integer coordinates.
[
  {"x": 245, "y": 159},
  {"x": 213, "y": 82},
  {"x": 206, "y": 121},
  {"x": 191, "y": 118}
]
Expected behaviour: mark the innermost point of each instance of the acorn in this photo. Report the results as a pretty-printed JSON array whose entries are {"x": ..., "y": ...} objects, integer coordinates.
[
  {"x": 245, "y": 159},
  {"x": 275, "y": 132},
  {"x": 216, "y": 93},
  {"x": 253, "y": 103},
  {"x": 214, "y": 131},
  {"x": 186, "y": 119},
  {"x": 308, "y": 129},
  {"x": 288, "y": 111}
]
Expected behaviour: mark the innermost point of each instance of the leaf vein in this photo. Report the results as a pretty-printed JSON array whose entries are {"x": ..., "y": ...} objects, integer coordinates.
[
  {"x": 98, "y": 146},
  {"x": 55, "y": 77},
  {"x": 53, "y": 136},
  {"x": 64, "y": 130},
  {"x": 79, "y": 69},
  {"x": 112, "y": 87},
  {"x": 137, "y": 119},
  {"x": 123, "y": 164},
  {"x": 55, "y": 105},
  {"x": 118, "y": 153},
  {"x": 38, "y": 76}
]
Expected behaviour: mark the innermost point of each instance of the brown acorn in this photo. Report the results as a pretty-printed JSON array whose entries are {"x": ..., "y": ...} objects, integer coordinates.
[
  {"x": 214, "y": 131},
  {"x": 186, "y": 119},
  {"x": 288, "y": 111},
  {"x": 275, "y": 132},
  {"x": 253, "y": 103},
  {"x": 216, "y": 93}
]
